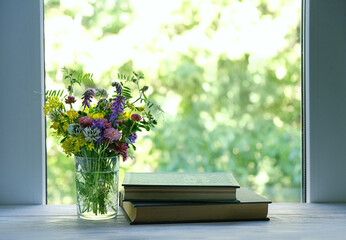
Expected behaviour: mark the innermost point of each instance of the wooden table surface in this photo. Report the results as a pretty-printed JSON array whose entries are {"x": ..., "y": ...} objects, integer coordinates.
[{"x": 287, "y": 221}]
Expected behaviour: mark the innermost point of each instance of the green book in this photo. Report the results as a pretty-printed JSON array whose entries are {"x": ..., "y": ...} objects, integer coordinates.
[
  {"x": 249, "y": 206},
  {"x": 216, "y": 186}
]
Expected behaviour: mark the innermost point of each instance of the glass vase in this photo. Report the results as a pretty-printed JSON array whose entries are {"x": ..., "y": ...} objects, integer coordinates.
[{"x": 97, "y": 182}]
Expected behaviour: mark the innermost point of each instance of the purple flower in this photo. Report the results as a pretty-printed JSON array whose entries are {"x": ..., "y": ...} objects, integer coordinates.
[
  {"x": 120, "y": 148},
  {"x": 136, "y": 117},
  {"x": 70, "y": 100},
  {"x": 101, "y": 124},
  {"x": 112, "y": 134},
  {"x": 85, "y": 121},
  {"x": 106, "y": 123},
  {"x": 118, "y": 87},
  {"x": 87, "y": 96},
  {"x": 133, "y": 138},
  {"x": 99, "y": 141},
  {"x": 117, "y": 107},
  {"x": 98, "y": 123}
]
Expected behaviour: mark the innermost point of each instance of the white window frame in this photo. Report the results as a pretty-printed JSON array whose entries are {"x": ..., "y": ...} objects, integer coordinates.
[
  {"x": 324, "y": 83},
  {"x": 22, "y": 125}
]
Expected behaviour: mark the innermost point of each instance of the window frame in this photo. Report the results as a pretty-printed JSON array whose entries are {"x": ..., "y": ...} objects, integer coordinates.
[
  {"x": 22, "y": 127},
  {"x": 323, "y": 82},
  {"x": 319, "y": 137}
]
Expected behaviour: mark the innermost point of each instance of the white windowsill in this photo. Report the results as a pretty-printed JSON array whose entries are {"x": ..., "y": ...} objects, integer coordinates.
[{"x": 287, "y": 221}]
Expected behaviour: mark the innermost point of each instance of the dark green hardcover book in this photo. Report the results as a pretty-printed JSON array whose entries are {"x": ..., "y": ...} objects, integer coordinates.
[
  {"x": 215, "y": 186},
  {"x": 249, "y": 207}
]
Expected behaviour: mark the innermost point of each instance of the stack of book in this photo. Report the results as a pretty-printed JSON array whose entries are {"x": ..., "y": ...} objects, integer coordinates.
[{"x": 189, "y": 197}]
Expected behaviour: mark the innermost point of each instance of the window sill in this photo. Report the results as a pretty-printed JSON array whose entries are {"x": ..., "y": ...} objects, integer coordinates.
[{"x": 292, "y": 221}]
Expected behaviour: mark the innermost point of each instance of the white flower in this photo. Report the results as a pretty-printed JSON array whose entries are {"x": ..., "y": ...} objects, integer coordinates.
[
  {"x": 74, "y": 129},
  {"x": 91, "y": 134}
]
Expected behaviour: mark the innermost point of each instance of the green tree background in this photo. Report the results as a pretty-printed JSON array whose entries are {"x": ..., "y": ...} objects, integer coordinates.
[{"x": 227, "y": 74}]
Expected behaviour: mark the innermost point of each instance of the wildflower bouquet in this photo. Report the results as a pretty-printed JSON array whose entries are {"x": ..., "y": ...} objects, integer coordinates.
[{"x": 103, "y": 129}]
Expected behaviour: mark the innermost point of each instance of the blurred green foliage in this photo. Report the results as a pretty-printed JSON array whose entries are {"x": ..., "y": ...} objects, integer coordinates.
[{"x": 223, "y": 112}]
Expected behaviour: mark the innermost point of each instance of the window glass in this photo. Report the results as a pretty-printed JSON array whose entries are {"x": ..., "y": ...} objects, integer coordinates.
[{"x": 226, "y": 73}]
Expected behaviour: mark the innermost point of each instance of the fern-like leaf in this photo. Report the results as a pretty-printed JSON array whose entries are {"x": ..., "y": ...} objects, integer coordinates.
[
  {"x": 85, "y": 78},
  {"x": 55, "y": 93},
  {"x": 139, "y": 75},
  {"x": 126, "y": 92},
  {"x": 125, "y": 77},
  {"x": 154, "y": 106}
]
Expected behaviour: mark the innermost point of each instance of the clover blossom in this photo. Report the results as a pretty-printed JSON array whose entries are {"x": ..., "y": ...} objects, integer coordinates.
[
  {"x": 106, "y": 123},
  {"x": 91, "y": 134},
  {"x": 70, "y": 100},
  {"x": 136, "y": 117},
  {"x": 85, "y": 121},
  {"x": 87, "y": 96},
  {"x": 120, "y": 148},
  {"x": 74, "y": 129}
]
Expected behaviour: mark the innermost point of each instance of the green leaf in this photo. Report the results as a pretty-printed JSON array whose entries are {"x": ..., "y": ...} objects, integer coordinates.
[
  {"x": 127, "y": 93},
  {"x": 86, "y": 78},
  {"x": 63, "y": 140},
  {"x": 54, "y": 93}
]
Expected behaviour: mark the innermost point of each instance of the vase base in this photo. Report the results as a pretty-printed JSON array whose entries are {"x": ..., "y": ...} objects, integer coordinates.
[{"x": 92, "y": 216}]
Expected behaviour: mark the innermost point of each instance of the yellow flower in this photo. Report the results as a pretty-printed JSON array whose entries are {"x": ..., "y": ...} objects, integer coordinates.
[
  {"x": 73, "y": 145},
  {"x": 53, "y": 103},
  {"x": 55, "y": 125},
  {"x": 90, "y": 146},
  {"x": 65, "y": 126},
  {"x": 79, "y": 142},
  {"x": 96, "y": 115},
  {"x": 127, "y": 115},
  {"x": 71, "y": 114},
  {"x": 63, "y": 118},
  {"x": 67, "y": 146},
  {"x": 141, "y": 109}
]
